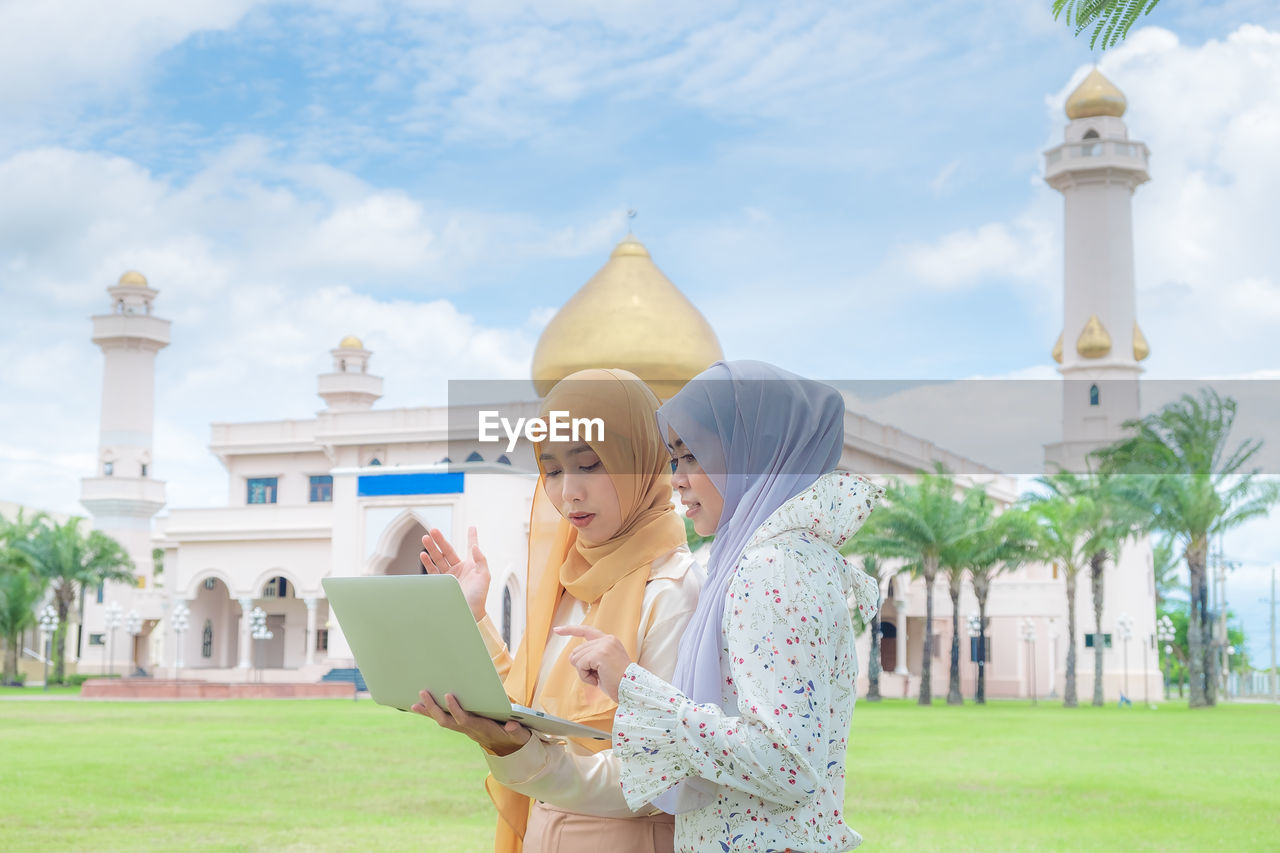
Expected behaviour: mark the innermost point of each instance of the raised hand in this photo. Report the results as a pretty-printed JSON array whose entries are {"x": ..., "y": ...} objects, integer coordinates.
[
  {"x": 472, "y": 570},
  {"x": 600, "y": 660}
]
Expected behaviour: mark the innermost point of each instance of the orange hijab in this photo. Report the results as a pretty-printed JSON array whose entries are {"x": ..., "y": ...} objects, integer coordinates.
[{"x": 609, "y": 577}]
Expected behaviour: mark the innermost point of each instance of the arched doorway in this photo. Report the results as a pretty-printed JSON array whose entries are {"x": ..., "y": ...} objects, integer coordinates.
[
  {"x": 287, "y": 623},
  {"x": 212, "y": 639},
  {"x": 405, "y": 561},
  {"x": 888, "y": 646}
]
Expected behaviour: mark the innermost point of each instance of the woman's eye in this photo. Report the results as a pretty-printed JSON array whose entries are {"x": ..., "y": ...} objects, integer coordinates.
[
  {"x": 550, "y": 474},
  {"x": 588, "y": 468},
  {"x": 688, "y": 459}
]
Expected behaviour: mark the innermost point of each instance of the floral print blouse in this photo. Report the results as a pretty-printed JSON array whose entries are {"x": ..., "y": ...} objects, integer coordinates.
[{"x": 776, "y": 743}]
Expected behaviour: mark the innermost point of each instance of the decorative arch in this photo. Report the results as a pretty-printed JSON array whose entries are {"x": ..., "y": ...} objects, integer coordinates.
[
  {"x": 512, "y": 614},
  {"x": 276, "y": 573},
  {"x": 193, "y": 589},
  {"x": 392, "y": 538}
]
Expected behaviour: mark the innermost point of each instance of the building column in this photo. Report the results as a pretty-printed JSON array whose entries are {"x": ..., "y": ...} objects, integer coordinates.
[
  {"x": 311, "y": 629},
  {"x": 246, "y": 641},
  {"x": 900, "y": 605}
]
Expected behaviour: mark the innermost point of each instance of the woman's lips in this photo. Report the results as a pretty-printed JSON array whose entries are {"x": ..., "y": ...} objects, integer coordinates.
[
  {"x": 692, "y": 508},
  {"x": 581, "y": 520}
]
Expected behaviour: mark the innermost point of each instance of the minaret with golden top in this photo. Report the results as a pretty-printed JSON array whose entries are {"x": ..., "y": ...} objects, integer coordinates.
[
  {"x": 628, "y": 315},
  {"x": 1097, "y": 168}
]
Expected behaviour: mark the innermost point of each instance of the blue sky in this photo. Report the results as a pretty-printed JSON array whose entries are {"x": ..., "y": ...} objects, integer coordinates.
[{"x": 437, "y": 177}]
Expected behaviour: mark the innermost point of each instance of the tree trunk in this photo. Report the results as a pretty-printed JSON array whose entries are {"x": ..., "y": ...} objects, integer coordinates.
[
  {"x": 1199, "y": 664},
  {"x": 12, "y": 644},
  {"x": 954, "y": 696},
  {"x": 873, "y": 669},
  {"x": 64, "y": 594},
  {"x": 1069, "y": 691},
  {"x": 980, "y": 694},
  {"x": 926, "y": 666},
  {"x": 1096, "y": 563}
]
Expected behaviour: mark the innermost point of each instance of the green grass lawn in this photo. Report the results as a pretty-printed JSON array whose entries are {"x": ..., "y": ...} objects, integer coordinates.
[{"x": 341, "y": 775}]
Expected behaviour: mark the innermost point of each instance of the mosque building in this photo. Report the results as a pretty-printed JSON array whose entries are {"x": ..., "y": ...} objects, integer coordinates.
[{"x": 352, "y": 490}]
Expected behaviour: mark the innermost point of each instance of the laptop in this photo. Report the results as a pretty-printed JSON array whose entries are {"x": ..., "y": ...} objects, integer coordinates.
[{"x": 416, "y": 632}]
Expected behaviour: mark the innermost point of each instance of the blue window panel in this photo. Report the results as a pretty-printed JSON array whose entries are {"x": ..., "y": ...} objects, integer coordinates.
[
  {"x": 475, "y": 457},
  {"x": 409, "y": 484}
]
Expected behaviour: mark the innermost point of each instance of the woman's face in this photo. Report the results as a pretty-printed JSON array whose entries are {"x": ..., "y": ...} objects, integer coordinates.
[
  {"x": 576, "y": 482},
  {"x": 703, "y": 503}
]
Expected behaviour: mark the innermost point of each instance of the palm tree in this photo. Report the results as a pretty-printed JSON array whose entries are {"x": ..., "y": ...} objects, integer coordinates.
[
  {"x": 1200, "y": 489},
  {"x": 1112, "y": 517},
  {"x": 1062, "y": 528},
  {"x": 20, "y": 592},
  {"x": 921, "y": 522},
  {"x": 1165, "y": 565},
  {"x": 61, "y": 555},
  {"x": 1111, "y": 19},
  {"x": 955, "y": 561},
  {"x": 999, "y": 543}
]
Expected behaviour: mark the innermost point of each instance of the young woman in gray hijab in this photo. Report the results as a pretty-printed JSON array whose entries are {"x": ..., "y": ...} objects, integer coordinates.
[{"x": 748, "y": 745}]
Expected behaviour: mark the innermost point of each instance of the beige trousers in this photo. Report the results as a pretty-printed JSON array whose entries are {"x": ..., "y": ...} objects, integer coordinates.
[{"x": 553, "y": 830}]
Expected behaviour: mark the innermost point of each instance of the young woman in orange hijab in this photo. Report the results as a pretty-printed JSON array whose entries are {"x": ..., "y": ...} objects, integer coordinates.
[{"x": 614, "y": 558}]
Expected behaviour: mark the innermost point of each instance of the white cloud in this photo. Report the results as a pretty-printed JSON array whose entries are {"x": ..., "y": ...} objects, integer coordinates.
[
  {"x": 73, "y": 49},
  {"x": 263, "y": 265},
  {"x": 1023, "y": 250}
]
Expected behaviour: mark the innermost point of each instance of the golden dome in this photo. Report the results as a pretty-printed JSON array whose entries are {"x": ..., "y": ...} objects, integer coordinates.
[
  {"x": 1140, "y": 348},
  {"x": 350, "y": 342},
  {"x": 134, "y": 278},
  {"x": 629, "y": 315},
  {"x": 1095, "y": 96},
  {"x": 1094, "y": 342},
  {"x": 1057, "y": 349}
]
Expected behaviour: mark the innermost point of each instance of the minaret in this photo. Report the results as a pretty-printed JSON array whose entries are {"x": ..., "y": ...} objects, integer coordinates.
[
  {"x": 350, "y": 387},
  {"x": 123, "y": 495},
  {"x": 1096, "y": 169}
]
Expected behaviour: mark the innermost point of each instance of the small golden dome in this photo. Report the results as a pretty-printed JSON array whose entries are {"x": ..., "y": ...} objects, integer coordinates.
[
  {"x": 1140, "y": 348},
  {"x": 134, "y": 278},
  {"x": 1095, "y": 96},
  {"x": 350, "y": 342},
  {"x": 629, "y": 315},
  {"x": 1057, "y": 349},
  {"x": 1094, "y": 342}
]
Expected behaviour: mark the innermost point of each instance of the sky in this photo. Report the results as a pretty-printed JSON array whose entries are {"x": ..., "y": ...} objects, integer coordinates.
[{"x": 851, "y": 193}]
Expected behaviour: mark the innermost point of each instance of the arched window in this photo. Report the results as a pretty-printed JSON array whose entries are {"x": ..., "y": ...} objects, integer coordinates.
[
  {"x": 1093, "y": 395},
  {"x": 108, "y": 468},
  {"x": 503, "y": 460},
  {"x": 342, "y": 365},
  {"x": 1090, "y": 134},
  {"x": 506, "y": 615},
  {"x": 206, "y": 640},
  {"x": 475, "y": 456}
]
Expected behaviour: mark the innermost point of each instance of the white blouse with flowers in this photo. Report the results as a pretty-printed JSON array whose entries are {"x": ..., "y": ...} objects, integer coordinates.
[{"x": 776, "y": 743}]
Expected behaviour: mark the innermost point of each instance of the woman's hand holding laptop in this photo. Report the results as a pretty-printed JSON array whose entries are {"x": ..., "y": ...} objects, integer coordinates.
[
  {"x": 472, "y": 572},
  {"x": 496, "y": 738}
]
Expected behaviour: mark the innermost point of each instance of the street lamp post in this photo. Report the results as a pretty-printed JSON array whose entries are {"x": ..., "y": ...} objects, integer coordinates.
[
  {"x": 975, "y": 631},
  {"x": 112, "y": 621},
  {"x": 133, "y": 626},
  {"x": 1166, "y": 633},
  {"x": 1125, "y": 624},
  {"x": 48, "y": 625},
  {"x": 258, "y": 630},
  {"x": 1029, "y": 637},
  {"x": 179, "y": 617}
]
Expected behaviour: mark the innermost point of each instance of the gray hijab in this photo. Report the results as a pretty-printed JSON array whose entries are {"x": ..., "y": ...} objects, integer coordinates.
[{"x": 762, "y": 435}]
